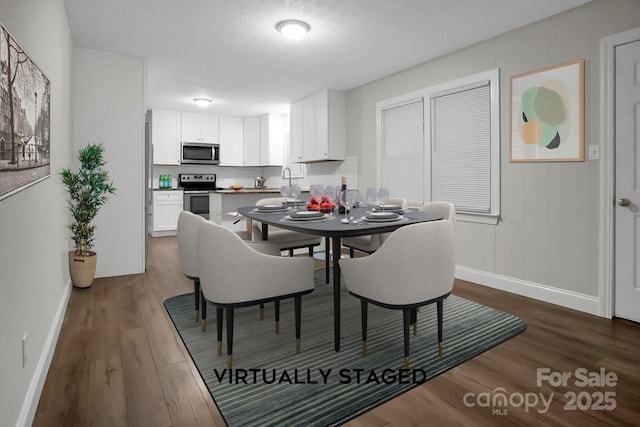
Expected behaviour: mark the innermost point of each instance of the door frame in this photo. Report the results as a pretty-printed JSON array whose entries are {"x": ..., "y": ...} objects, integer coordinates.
[{"x": 607, "y": 166}]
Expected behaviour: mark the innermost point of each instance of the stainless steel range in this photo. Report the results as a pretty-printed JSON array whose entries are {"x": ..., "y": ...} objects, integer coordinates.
[{"x": 196, "y": 192}]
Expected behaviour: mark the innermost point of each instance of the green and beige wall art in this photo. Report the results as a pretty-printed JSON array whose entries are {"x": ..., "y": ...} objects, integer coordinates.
[{"x": 547, "y": 110}]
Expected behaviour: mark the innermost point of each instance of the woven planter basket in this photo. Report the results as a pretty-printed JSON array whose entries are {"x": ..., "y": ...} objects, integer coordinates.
[{"x": 82, "y": 268}]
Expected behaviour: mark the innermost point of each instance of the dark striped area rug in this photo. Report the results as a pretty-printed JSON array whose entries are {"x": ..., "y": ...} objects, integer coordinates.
[{"x": 272, "y": 385}]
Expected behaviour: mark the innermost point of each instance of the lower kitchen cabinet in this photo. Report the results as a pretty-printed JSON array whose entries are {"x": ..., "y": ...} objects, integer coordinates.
[{"x": 167, "y": 206}]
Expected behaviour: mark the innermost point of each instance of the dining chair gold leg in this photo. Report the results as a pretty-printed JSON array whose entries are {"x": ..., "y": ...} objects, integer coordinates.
[
  {"x": 414, "y": 320},
  {"x": 197, "y": 315},
  {"x": 229, "y": 362},
  {"x": 219, "y": 348},
  {"x": 297, "y": 345},
  {"x": 277, "y": 327},
  {"x": 406, "y": 363},
  {"x": 439, "y": 349},
  {"x": 364, "y": 348},
  {"x": 204, "y": 325},
  {"x": 261, "y": 313}
]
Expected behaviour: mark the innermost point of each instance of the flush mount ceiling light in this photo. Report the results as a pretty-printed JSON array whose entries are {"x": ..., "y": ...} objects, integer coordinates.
[
  {"x": 293, "y": 29},
  {"x": 202, "y": 102}
]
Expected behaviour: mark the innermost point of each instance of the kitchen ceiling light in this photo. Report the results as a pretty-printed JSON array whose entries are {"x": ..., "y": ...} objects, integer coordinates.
[
  {"x": 202, "y": 102},
  {"x": 293, "y": 29}
]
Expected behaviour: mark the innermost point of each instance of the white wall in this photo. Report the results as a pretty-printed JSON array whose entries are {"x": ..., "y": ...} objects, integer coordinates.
[
  {"x": 546, "y": 244},
  {"x": 34, "y": 279},
  {"x": 108, "y": 98}
]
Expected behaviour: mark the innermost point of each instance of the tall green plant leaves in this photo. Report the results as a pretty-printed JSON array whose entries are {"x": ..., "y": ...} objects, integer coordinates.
[{"x": 89, "y": 189}]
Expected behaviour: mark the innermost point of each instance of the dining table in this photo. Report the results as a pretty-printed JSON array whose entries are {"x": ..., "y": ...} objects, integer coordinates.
[{"x": 333, "y": 227}]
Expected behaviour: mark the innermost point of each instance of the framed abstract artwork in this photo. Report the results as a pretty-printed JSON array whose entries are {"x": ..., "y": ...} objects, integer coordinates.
[
  {"x": 25, "y": 128},
  {"x": 547, "y": 114}
]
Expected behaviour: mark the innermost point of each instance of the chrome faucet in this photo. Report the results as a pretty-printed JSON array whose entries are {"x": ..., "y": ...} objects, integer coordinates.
[{"x": 283, "y": 177}]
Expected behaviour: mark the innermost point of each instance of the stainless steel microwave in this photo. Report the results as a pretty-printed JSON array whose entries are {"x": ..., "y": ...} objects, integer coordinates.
[{"x": 200, "y": 153}]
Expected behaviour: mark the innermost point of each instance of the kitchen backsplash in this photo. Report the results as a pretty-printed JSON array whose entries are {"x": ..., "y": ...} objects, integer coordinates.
[
  {"x": 226, "y": 176},
  {"x": 326, "y": 173}
]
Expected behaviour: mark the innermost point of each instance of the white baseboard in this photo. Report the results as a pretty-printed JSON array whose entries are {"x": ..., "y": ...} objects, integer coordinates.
[
  {"x": 166, "y": 233},
  {"x": 569, "y": 299},
  {"x": 30, "y": 403}
]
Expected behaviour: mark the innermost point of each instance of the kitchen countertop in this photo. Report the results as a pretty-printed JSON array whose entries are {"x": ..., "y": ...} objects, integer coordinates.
[
  {"x": 230, "y": 191},
  {"x": 252, "y": 191}
]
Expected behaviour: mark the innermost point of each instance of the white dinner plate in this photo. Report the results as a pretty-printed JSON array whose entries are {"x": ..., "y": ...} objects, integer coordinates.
[
  {"x": 272, "y": 208},
  {"x": 305, "y": 216},
  {"x": 385, "y": 218},
  {"x": 382, "y": 215},
  {"x": 387, "y": 208}
]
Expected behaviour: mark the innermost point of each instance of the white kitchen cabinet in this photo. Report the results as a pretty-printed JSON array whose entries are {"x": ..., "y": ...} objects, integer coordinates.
[
  {"x": 318, "y": 127},
  {"x": 272, "y": 139},
  {"x": 231, "y": 141},
  {"x": 165, "y": 137},
  {"x": 167, "y": 206},
  {"x": 199, "y": 127},
  {"x": 251, "y": 142},
  {"x": 263, "y": 140},
  {"x": 296, "y": 146}
]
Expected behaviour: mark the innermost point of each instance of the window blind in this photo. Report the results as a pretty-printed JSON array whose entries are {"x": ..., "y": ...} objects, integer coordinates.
[
  {"x": 402, "y": 151},
  {"x": 461, "y": 149}
]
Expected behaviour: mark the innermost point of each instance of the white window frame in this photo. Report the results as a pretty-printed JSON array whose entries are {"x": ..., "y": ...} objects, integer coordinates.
[
  {"x": 381, "y": 133},
  {"x": 491, "y": 76}
]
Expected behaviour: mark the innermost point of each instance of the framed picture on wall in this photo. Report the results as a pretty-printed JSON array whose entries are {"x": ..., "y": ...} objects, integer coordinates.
[
  {"x": 547, "y": 114},
  {"x": 25, "y": 129}
]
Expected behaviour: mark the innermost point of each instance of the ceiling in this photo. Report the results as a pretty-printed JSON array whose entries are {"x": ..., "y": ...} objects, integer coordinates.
[{"x": 229, "y": 51}]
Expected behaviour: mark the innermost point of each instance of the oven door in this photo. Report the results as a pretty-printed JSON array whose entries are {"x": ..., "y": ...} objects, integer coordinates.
[{"x": 197, "y": 202}]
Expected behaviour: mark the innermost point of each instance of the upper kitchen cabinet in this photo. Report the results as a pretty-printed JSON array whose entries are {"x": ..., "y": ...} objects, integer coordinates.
[
  {"x": 231, "y": 141},
  {"x": 198, "y": 127},
  {"x": 165, "y": 137},
  {"x": 272, "y": 139},
  {"x": 251, "y": 142},
  {"x": 318, "y": 127},
  {"x": 263, "y": 140}
]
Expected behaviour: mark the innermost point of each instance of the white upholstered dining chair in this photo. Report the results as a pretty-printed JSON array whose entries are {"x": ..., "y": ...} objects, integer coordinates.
[
  {"x": 371, "y": 242},
  {"x": 233, "y": 274},
  {"x": 287, "y": 240},
  {"x": 413, "y": 268},
  {"x": 446, "y": 210},
  {"x": 267, "y": 248},
  {"x": 187, "y": 236}
]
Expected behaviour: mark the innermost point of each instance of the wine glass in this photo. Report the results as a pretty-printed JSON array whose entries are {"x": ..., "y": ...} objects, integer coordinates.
[
  {"x": 312, "y": 192},
  {"x": 352, "y": 198},
  {"x": 343, "y": 196},
  {"x": 317, "y": 190},
  {"x": 383, "y": 196},
  {"x": 330, "y": 192},
  {"x": 372, "y": 196},
  {"x": 285, "y": 191},
  {"x": 295, "y": 192}
]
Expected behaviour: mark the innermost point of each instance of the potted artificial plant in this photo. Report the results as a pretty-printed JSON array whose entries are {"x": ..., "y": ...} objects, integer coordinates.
[{"x": 88, "y": 190}]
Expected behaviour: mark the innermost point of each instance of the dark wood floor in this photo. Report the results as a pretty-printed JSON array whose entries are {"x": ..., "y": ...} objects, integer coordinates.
[{"x": 119, "y": 362}]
